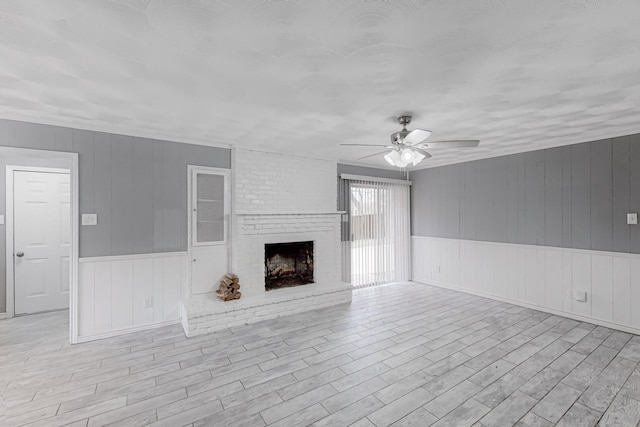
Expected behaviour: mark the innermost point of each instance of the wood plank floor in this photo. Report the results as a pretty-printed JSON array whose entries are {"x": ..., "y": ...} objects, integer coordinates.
[{"x": 404, "y": 354}]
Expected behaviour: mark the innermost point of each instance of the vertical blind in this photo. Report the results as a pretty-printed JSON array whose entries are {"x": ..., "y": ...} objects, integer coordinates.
[{"x": 377, "y": 234}]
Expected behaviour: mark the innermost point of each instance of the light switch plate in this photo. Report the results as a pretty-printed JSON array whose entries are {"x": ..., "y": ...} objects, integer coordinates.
[
  {"x": 1, "y": 219},
  {"x": 632, "y": 218},
  {"x": 89, "y": 219}
]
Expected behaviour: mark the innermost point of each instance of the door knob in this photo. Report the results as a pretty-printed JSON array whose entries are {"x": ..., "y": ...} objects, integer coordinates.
[{"x": 20, "y": 254}]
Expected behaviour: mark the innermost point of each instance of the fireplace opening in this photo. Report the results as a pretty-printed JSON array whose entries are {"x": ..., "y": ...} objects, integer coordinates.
[{"x": 288, "y": 264}]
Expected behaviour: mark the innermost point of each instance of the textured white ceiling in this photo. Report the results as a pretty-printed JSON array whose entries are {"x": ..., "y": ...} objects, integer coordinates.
[{"x": 303, "y": 76}]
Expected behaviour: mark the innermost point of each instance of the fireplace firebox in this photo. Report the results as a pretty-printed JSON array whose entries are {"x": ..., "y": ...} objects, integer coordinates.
[{"x": 288, "y": 264}]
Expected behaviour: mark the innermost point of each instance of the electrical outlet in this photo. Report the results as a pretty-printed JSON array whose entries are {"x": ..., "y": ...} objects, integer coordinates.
[
  {"x": 632, "y": 218},
  {"x": 580, "y": 296},
  {"x": 148, "y": 302}
]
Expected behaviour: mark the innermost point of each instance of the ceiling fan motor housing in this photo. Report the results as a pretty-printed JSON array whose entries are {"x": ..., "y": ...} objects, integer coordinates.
[{"x": 398, "y": 137}]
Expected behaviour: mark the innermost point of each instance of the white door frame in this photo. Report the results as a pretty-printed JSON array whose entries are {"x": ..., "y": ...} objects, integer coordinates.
[
  {"x": 227, "y": 195},
  {"x": 72, "y": 158}
]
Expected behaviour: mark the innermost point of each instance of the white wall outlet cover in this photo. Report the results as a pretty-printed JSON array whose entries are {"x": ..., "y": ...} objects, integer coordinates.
[
  {"x": 89, "y": 219},
  {"x": 632, "y": 218},
  {"x": 148, "y": 302},
  {"x": 580, "y": 296}
]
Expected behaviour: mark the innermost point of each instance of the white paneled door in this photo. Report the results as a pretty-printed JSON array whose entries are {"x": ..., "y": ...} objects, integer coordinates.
[
  {"x": 41, "y": 240},
  {"x": 209, "y": 228}
]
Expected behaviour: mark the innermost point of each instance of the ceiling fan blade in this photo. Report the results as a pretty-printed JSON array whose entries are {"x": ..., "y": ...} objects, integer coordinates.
[
  {"x": 452, "y": 143},
  {"x": 374, "y": 154},
  {"x": 416, "y": 136},
  {"x": 365, "y": 145}
]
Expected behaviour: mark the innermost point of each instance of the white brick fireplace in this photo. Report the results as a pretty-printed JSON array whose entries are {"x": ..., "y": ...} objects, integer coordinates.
[{"x": 276, "y": 199}]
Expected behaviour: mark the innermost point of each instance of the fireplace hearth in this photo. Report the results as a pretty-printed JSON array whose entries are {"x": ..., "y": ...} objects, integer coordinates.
[{"x": 288, "y": 264}]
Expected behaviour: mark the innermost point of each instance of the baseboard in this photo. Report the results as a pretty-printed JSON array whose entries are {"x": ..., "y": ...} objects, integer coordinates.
[
  {"x": 3, "y": 316},
  {"x": 535, "y": 307},
  {"x": 119, "y": 332}
]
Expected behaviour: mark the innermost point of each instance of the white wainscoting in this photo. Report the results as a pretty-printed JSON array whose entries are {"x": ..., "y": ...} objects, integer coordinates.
[
  {"x": 539, "y": 277},
  {"x": 113, "y": 289}
]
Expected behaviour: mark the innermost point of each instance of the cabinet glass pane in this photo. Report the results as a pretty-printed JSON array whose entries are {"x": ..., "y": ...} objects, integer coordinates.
[
  {"x": 209, "y": 218},
  {"x": 210, "y": 232},
  {"x": 210, "y": 211},
  {"x": 210, "y": 187}
]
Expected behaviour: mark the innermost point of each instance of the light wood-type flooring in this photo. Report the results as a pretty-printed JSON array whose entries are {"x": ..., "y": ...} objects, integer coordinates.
[{"x": 403, "y": 354}]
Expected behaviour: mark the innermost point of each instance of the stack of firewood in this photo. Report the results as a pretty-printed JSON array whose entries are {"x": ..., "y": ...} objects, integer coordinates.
[{"x": 229, "y": 288}]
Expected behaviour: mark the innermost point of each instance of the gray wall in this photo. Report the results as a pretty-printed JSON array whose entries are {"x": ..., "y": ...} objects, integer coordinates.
[
  {"x": 137, "y": 186},
  {"x": 574, "y": 196},
  {"x": 380, "y": 173}
]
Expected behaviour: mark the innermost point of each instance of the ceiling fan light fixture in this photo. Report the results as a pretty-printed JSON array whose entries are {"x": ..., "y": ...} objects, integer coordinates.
[
  {"x": 396, "y": 158},
  {"x": 389, "y": 158},
  {"x": 408, "y": 155},
  {"x": 417, "y": 157}
]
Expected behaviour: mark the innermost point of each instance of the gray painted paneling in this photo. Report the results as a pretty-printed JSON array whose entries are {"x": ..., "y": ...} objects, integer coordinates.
[
  {"x": 431, "y": 207},
  {"x": 574, "y": 196},
  {"x": 86, "y": 177},
  {"x": 475, "y": 211},
  {"x": 566, "y": 196},
  {"x": 521, "y": 196},
  {"x": 601, "y": 196},
  {"x": 500, "y": 176},
  {"x": 453, "y": 192},
  {"x": 101, "y": 233},
  {"x": 511, "y": 201},
  {"x": 553, "y": 197},
  {"x": 142, "y": 218},
  {"x": 122, "y": 194},
  {"x": 28, "y": 135},
  {"x": 158, "y": 198},
  {"x": 581, "y": 196},
  {"x": 466, "y": 200},
  {"x": 634, "y": 191},
  {"x": 438, "y": 210},
  {"x": 534, "y": 197},
  {"x": 7, "y": 132},
  {"x": 174, "y": 200},
  {"x": 63, "y": 140},
  {"x": 621, "y": 191},
  {"x": 137, "y": 186},
  {"x": 485, "y": 196}
]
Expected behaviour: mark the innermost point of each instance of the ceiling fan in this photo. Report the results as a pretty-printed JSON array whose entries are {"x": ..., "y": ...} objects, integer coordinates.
[{"x": 408, "y": 147}]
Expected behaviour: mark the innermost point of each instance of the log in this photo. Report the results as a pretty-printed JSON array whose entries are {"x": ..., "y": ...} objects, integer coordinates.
[
  {"x": 228, "y": 287},
  {"x": 232, "y": 287}
]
